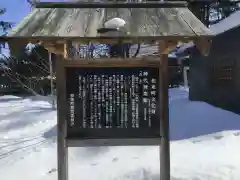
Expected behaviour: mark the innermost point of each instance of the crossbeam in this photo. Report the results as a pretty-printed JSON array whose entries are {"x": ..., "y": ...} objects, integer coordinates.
[
  {"x": 111, "y": 4},
  {"x": 62, "y": 40}
]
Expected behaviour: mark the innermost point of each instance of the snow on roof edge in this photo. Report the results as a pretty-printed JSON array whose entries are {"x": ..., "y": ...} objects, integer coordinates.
[{"x": 231, "y": 22}]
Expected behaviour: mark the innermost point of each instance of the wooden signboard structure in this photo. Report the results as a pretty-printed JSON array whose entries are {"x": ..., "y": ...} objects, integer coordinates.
[
  {"x": 111, "y": 101},
  {"x": 114, "y": 101}
]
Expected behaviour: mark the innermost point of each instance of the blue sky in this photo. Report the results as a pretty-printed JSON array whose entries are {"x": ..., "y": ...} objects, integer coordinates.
[{"x": 16, "y": 10}]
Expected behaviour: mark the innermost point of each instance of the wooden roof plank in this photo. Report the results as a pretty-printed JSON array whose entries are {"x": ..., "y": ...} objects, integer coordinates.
[
  {"x": 140, "y": 23},
  {"x": 112, "y": 4}
]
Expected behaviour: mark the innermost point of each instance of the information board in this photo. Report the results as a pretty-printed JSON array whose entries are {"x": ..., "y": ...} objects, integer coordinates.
[{"x": 112, "y": 102}]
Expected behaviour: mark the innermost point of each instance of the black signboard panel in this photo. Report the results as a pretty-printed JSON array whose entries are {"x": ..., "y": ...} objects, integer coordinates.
[{"x": 108, "y": 103}]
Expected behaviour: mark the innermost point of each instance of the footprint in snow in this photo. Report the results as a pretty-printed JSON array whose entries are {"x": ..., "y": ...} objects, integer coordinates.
[
  {"x": 135, "y": 158},
  {"x": 94, "y": 164},
  {"x": 218, "y": 137},
  {"x": 115, "y": 159},
  {"x": 52, "y": 170},
  {"x": 236, "y": 134}
]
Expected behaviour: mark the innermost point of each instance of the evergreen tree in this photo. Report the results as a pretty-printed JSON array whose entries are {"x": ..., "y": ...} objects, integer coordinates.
[
  {"x": 213, "y": 11},
  {"x": 4, "y": 27},
  {"x": 224, "y": 9},
  {"x": 32, "y": 69}
]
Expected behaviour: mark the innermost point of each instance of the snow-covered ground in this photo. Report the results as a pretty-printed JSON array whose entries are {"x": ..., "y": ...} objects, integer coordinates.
[{"x": 205, "y": 145}]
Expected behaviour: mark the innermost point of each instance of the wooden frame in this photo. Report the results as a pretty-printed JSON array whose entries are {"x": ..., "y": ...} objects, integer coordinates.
[
  {"x": 111, "y": 62},
  {"x": 113, "y": 142},
  {"x": 64, "y": 143},
  {"x": 58, "y": 40},
  {"x": 62, "y": 150},
  {"x": 59, "y": 45}
]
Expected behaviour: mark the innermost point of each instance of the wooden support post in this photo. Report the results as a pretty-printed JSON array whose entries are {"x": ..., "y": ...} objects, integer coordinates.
[
  {"x": 164, "y": 121},
  {"x": 204, "y": 45},
  {"x": 68, "y": 50},
  {"x": 62, "y": 149},
  {"x": 62, "y": 131},
  {"x": 51, "y": 79},
  {"x": 185, "y": 76}
]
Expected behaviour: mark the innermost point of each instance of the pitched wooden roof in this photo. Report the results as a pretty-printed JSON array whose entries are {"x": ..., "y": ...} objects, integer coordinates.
[{"x": 85, "y": 22}]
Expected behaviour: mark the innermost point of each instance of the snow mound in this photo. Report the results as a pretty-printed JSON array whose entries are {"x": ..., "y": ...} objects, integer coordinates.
[
  {"x": 191, "y": 119},
  {"x": 207, "y": 146},
  {"x": 8, "y": 98}
]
